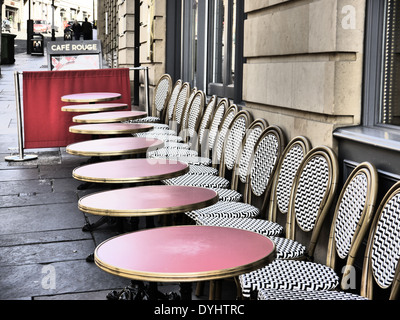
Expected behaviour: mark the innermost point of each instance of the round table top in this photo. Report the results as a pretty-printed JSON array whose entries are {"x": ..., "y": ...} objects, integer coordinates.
[
  {"x": 113, "y": 146},
  {"x": 94, "y": 107},
  {"x": 184, "y": 253},
  {"x": 91, "y": 97},
  {"x": 107, "y": 117},
  {"x": 130, "y": 171},
  {"x": 147, "y": 201},
  {"x": 110, "y": 128}
]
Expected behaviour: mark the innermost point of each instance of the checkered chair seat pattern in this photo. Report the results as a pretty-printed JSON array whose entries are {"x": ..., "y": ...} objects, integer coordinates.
[
  {"x": 264, "y": 227},
  {"x": 289, "y": 274},
  {"x": 171, "y": 152},
  {"x": 226, "y": 209},
  {"x": 149, "y": 119},
  {"x": 160, "y": 136},
  {"x": 204, "y": 181},
  {"x": 274, "y": 294},
  {"x": 202, "y": 170},
  {"x": 176, "y": 145},
  {"x": 228, "y": 194},
  {"x": 288, "y": 249},
  {"x": 201, "y": 161}
]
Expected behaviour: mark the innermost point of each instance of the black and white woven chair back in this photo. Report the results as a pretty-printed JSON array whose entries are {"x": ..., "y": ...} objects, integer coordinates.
[
  {"x": 254, "y": 132},
  {"x": 196, "y": 108},
  {"x": 267, "y": 152},
  {"x": 162, "y": 91},
  {"x": 208, "y": 141},
  {"x": 222, "y": 134},
  {"x": 186, "y": 109},
  {"x": 313, "y": 191},
  {"x": 180, "y": 105},
  {"x": 354, "y": 210},
  {"x": 172, "y": 101},
  {"x": 287, "y": 167},
  {"x": 235, "y": 135},
  {"x": 384, "y": 246},
  {"x": 206, "y": 119}
]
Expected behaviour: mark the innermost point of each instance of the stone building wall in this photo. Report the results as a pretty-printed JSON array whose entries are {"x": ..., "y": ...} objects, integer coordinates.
[{"x": 304, "y": 65}]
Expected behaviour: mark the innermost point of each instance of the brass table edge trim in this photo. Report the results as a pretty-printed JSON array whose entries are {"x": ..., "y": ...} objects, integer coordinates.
[
  {"x": 130, "y": 180},
  {"x": 187, "y": 277}
]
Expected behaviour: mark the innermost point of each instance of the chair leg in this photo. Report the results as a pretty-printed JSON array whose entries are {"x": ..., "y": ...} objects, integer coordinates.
[
  {"x": 199, "y": 288},
  {"x": 239, "y": 295},
  {"x": 211, "y": 293}
]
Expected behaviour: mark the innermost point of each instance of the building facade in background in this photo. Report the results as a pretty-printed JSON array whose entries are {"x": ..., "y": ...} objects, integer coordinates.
[{"x": 19, "y": 11}]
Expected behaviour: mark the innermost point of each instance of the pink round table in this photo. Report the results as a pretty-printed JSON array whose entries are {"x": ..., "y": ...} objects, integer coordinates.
[
  {"x": 130, "y": 171},
  {"x": 184, "y": 254},
  {"x": 110, "y": 128},
  {"x": 94, "y": 107},
  {"x": 114, "y": 146},
  {"x": 147, "y": 201},
  {"x": 91, "y": 97},
  {"x": 107, "y": 117}
]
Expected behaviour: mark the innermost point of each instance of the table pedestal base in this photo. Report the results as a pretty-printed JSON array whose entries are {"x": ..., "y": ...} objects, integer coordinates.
[{"x": 139, "y": 291}]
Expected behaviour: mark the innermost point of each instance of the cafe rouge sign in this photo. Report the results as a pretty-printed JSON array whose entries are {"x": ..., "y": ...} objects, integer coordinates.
[
  {"x": 74, "y": 47},
  {"x": 74, "y": 55}
]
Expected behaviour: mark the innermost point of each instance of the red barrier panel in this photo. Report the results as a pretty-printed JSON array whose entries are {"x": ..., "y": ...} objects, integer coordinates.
[{"x": 45, "y": 125}]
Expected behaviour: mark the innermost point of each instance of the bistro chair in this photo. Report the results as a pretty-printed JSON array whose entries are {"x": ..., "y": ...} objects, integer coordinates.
[
  {"x": 381, "y": 268},
  {"x": 235, "y": 136},
  {"x": 168, "y": 112},
  {"x": 160, "y": 100},
  {"x": 352, "y": 218},
  {"x": 208, "y": 129},
  {"x": 281, "y": 187},
  {"x": 202, "y": 161},
  {"x": 237, "y": 152},
  {"x": 268, "y": 150},
  {"x": 170, "y": 134},
  {"x": 191, "y": 125}
]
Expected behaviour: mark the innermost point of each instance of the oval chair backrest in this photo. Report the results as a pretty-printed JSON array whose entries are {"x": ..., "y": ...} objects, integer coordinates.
[
  {"x": 162, "y": 92},
  {"x": 222, "y": 133},
  {"x": 254, "y": 132},
  {"x": 208, "y": 142},
  {"x": 235, "y": 135},
  {"x": 196, "y": 110},
  {"x": 383, "y": 249},
  {"x": 186, "y": 109},
  {"x": 286, "y": 169},
  {"x": 354, "y": 207},
  {"x": 263, "y": 163},
  {"x": 207, "y": 118},
  {"x": 181, "y": 102},
  {"x": 313, "y": 191},
  {"x": 172, "y": 101},
  {"x": 353, "y": 215}
]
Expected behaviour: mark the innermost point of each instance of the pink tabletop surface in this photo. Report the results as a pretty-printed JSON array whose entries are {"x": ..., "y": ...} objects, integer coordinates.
[
  {"x": 147, "y": 200},
  {"x": 184, "y": 253},
  {"x": 114, "y": 146},
  {"x": 130, "y": 170},
  {"x": 94, "y": 107},
  {"x": 109, "y": 116},
  {"x": 110, "y": 128},
  {"x": 91, "y": 97}
]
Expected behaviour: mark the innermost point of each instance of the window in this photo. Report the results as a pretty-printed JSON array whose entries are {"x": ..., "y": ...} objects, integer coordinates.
[
  {"x": 382, "y": 65},
  {"x": 211, "y": 48},
  {"x": 225, "y": 48},
  {"x": 389, "y": 112}
]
